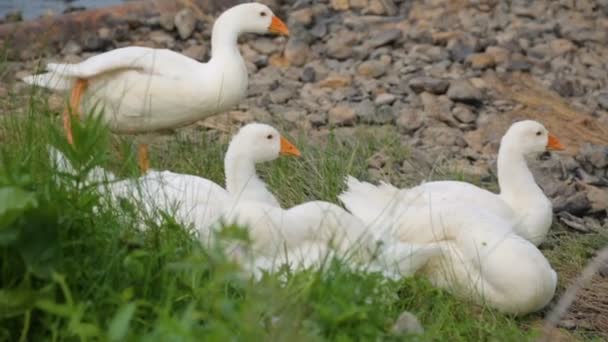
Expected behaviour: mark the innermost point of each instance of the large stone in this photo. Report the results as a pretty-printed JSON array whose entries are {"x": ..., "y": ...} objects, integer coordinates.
[
  {"x": 602, "y": 100},
  {"x": 595, "y": 154},
  {"x": 385, "y": 37},
  {"x": 197, "y": 52},
  {"x": 342, "y": 115},
  {"x": 335, "y": 81},
  {"x": 185, "y": 21},
  {"x": 303, "y": 16},
  {"x": 444, "y": 136},
  {"x": 372, "y": 69},
  {"x": 464, "y": 114},
  {"x": 598, "y": 197},
  {"x": 463, "y": 91},
  {"x": 297, "y": 52},
  {"x": 481, "y": 60},
  {"x": 577, "y": 204},
  {"x": 429, "y": 84},
  {"x": 365, "y": 110},
  {"x": 410, "y": 120},
  {"x": 460, "y": 49},
  {"x": 439, "y": 108},
  {"x": 384, "y": 98},
  {"x": 561, "y": 46},
  {"x": 339, "y": 5}
]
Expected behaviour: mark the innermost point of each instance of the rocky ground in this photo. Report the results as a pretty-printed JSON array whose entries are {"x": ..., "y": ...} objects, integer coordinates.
[{"x": 449, "y": 75}]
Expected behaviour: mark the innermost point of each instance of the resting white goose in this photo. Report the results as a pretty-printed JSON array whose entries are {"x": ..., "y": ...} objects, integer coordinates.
[
  {"x": 521, "y": 201},
  {"x": 142, "y": 89},
  {"x": 197, "y": 200},
  {"x": 299, "y": 236},
  {"x": 482, "y": 258}
]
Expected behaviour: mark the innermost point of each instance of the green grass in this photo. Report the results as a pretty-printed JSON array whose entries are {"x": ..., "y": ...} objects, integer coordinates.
[{"x": 68, "y": 272}]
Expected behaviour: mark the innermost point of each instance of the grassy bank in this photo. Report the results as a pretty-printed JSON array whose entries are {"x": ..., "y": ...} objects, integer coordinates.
[{"x": 68, "y": 272}]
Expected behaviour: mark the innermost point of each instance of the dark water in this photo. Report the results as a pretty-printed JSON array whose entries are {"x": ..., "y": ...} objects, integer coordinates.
[{"x": 34, "y": 8}]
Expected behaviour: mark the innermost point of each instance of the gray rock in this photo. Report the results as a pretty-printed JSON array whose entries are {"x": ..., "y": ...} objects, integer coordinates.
[
  {"x": 318, "y": 119},
  {"x": 92, "y": 42},
  {"x": 602, "y": 100},
  {"x": 407, "y": 323},
  {"x": 297, "y": 52},
  {"x": 567, "y": 87},
  {"x": 281, "y": 95},
  {"x": 161, "y": 38},
  {"x": 518, "y": 64},
  {"x": 595, "y": 154},
  {"x": 384, "y": 115},
  {"x": 439, "y": 108},
  {"x": 577, "y": 204},
  {"x": 167, "y": 21},
  {"x": 384, "y": 98},
  {"x": 463, "y": 91},
  {"x": 459, "y": 50},
  {"x": 464, "y": 114},
  {"x": 319, "y": 30},
  {"x": 385, "y": 37},
  {"x": 598, "y": 197},
  {"x": 561, "y": 46},
  {"x": 580, "y": 224},
  {"x": 309, "y": 75},
  {"x": 366, "y": 110},
  {"x": 260, "y": 61},
  {"x": 294, "y": 116},
  {"x": 303, "y": 16},
  {"x": 185, "y": 21},
  {"x": 264, "y": 45},
  {"x": 429, "y": 84},
  {"x": 410, "y": 120},
  {"x": 444, "y": 136},
  {"x": 604, "y": 270},
  {"x": 342, "y": 115},
  {"x": 377, "y": 161},
  {"x": 71, "y": 48},
  {"x": 338, "y": 48},
  {"x": 197, "y": 52},
  {"x": 105, "y": 33},
  {"x": 372, "y": 69}
]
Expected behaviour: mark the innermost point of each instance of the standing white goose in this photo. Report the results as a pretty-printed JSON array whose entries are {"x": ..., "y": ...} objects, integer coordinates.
[
  {"x": 144, "y": 89},
  {"x": 521, "y": 201}
]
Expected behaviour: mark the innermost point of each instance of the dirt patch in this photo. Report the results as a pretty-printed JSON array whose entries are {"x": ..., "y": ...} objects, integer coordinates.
[
  {"x": 590, "y": 310},
  {"x": 573, "y": 127}
]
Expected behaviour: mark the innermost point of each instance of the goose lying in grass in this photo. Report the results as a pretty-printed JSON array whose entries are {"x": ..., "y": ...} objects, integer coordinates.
[
  {"x": 142, "y": 89},
  {"x": 302, "y": 236},
  {"x": 521, "y": 201},
  {"x": 482, "y": 258}
]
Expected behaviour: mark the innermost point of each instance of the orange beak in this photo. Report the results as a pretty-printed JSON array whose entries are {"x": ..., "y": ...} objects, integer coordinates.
[
  {"x": 554, "y": 144},
  {"x": 287, "y": 148},
  {"x": 277, "y": 26}
]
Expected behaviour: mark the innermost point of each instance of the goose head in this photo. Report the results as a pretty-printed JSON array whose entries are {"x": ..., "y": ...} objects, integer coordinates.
[
  {"x": 528, "y": 136},
  {"x": 261, "y": 143},
  {"x": 252, "y": 18}
]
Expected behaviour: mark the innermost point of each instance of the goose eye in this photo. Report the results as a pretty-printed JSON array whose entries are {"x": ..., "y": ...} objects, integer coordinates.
[
  {"x": 269, "y": 136},
  {"x": 262, "y": 14},
  {"x": 539, "y": 133}
]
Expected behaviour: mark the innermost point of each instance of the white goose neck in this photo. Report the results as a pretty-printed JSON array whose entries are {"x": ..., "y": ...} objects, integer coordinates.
[
  {"x": 515, "y": 179},
  {"x": 240, "y": 171},
  {"x": 224, "y": 37}
]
